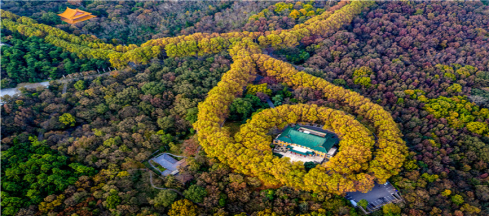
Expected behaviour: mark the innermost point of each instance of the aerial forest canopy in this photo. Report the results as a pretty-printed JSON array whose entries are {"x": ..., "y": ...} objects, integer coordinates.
[
  {"x": 198, "y": 43},
  {"x": 210, "y": 84},
  {"x": 31, "y": 59}
]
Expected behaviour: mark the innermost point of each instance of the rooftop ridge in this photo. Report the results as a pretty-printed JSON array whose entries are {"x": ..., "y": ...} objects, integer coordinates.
[
  {"x": 75, "y": 15},
  {"x": 308, "y": 140}
]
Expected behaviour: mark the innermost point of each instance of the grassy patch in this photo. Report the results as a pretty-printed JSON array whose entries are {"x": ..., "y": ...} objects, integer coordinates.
[
  {"x": 147, "y": 165},
  {"x": 158, "y": 166}
]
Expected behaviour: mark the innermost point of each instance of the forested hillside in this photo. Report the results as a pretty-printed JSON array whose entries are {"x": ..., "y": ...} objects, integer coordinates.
[
  {"x": 428, "y": 65},
  {"x": 404, "y": 84},
  {"x": 128, "y": 22},
  {"x": 31, "y": 59}
]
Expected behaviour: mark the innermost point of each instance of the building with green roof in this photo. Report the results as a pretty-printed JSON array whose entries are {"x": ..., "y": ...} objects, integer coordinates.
[{"x": 306, "y": 141}]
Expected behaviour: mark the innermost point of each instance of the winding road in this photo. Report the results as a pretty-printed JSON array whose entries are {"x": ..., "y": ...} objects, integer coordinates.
[{"x": 14, "y": 91}]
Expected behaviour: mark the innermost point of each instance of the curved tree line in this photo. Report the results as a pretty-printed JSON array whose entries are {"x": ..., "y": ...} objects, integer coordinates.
[
  {"x": 355, "y": 149},
  {"x": 187, "y": 45},
  {"x": 386, "y": 162}
]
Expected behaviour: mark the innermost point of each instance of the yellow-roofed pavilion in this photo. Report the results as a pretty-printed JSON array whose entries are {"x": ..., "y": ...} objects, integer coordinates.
[{"x": 73, "y": 16}]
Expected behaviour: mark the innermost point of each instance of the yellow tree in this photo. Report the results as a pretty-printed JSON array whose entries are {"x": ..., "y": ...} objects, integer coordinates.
[{"x": 183, "y": 208}]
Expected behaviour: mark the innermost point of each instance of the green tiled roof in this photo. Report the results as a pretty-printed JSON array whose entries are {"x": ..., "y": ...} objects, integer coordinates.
[
  {"x": 302, "y": 153},
  {"x": 317, "y": 143}
]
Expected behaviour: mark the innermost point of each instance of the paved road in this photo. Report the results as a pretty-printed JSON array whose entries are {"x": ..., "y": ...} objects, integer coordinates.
[
  {"x": 270, "y": 103},
  {"x": 152, "y": 184},
  {"x": 45, "y": 84},
  {"x": 176, "y": 191},
  {"x": 14, "y": 91}
]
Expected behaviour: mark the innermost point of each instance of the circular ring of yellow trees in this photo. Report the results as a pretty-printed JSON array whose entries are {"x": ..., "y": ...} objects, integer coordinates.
[{"x": 353, "y": 157}]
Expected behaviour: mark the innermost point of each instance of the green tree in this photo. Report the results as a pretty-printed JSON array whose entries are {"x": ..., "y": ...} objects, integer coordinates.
[
  {"x": 166, "y": 123},
  {"x": 125, "y": 97},
  {"x": 101, "y": 108},
  {"x": 241, "y": 109},
  {"x": 430, "y": 178},
  {"x": 50, "y": 18},
  {"x": 363, "y": 203},
  {"x": 67, "y": 119},
  {"x": 364, "y": 81},
  {"x": 309, "y": 165},
  {"x": 457, "y": 199},
  {"x": 269, "y": 193},
  {"x": 391, "y": 209},
  {"x": 153, "y": 88},
  {"x": 339, "y": 82},
  {"x": 277, "y": 100},
  {"x": 165, "y": 198},
  {"x": 79, "y": 85},
  {"x": 114, "y": 141},
  {"x": 455, "y": 88},
  {"x": 113, "y": 201},
  {"x": 195, "y": 193},
  {"x": 192, "y": 115}
]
